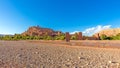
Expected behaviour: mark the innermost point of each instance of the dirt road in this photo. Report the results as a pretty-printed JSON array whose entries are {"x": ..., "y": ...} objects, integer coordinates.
[{"x": 40, "y": 54}]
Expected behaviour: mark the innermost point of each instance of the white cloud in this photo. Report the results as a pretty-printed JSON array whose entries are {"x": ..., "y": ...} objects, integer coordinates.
[
  {"x": 74, "y": 32},
  {"x": 93, "y": 30}
]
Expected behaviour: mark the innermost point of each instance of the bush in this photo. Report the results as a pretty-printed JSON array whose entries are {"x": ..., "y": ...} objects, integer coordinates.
[
  {"x": 48, "y": 38},
  {"x": 116, "y": 37},
  {"x": 103, "y": 37},
  {"x": 1, "y": 37},
  {"x": 73, "y": 38}
]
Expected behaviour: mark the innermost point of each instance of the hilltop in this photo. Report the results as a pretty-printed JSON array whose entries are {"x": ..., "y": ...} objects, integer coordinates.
[
  {"x": 109, "y": 32},
  {"x": 40, "y": 31}
]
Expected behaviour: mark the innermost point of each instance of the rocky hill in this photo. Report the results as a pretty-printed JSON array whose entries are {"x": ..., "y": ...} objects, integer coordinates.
[
  {"x": 109, "y": 32},
  {"x": 39, "y": 31}
]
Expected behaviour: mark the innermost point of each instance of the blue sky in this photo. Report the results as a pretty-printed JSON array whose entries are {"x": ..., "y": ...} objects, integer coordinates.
[{"x": 65, "y": 15}]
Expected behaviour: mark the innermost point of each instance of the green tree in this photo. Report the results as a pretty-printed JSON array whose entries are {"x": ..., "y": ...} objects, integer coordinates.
[
  {"x": 17, "y": 37},
  {"x": 117, "y": 37},
  {"x": 103, "y": 37},
  {"x": 1, "y": 38},
  {"x": 7, "y": 37},
  {"x": 48, "y": 38},
  {"x": 60, "y": 37},
  {"x": 73, "y": 38}
]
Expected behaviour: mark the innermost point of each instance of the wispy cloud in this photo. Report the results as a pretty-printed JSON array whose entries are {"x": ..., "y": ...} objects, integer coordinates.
[
  {"x": 92, "y": 30},
  {"x": 74, "y": 32}
]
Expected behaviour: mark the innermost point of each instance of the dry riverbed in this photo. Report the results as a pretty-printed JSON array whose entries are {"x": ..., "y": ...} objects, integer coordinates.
[{"x": 59, "y": 54}]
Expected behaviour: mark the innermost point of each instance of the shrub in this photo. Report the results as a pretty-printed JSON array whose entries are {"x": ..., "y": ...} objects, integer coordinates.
[
  {"x": 103, "y": 37},
  {"x": 73, "y": 38}
]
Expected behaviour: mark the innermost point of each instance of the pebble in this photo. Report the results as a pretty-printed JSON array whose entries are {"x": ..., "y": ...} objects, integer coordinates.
[
  {"x": 18, "y": 55},
  {"x": 79, "y": 57},
  {"x": 68, "y": 64},
  {"x": 82, "y": 57},
  {"x": 109, "y": 61},
  {"x": 35, "y": 52},
  {"x": 68, "y": 59}
]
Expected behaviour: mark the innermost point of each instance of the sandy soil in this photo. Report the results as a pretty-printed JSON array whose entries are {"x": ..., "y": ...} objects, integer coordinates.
[{"x": 59, "y": 54}]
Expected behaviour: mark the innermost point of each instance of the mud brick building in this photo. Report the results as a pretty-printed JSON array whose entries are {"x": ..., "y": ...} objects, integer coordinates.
[
  {"x": 79, "y": 36},
  {"x": 67, "y": 37}
]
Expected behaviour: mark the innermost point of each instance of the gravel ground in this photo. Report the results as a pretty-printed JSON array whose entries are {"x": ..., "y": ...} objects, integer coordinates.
[{"x": 28, "y": 54}]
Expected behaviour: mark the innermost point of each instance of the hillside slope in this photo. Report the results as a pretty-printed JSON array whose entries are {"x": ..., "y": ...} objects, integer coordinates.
[{"x": 109, "y": 32}]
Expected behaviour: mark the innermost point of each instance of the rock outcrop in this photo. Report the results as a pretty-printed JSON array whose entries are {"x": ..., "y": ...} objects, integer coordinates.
[
  {"x": 109, "y": 32},
  {"x": 39, "y": 31}
]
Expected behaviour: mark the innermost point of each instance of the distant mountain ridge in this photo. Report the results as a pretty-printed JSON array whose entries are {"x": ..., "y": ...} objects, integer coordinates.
[
  {"x": 5, "y": 34},
  {"x": 39, "y": 31},
  {"x": 109, "y": 32},
  {"x": 1, "y": 34}
]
